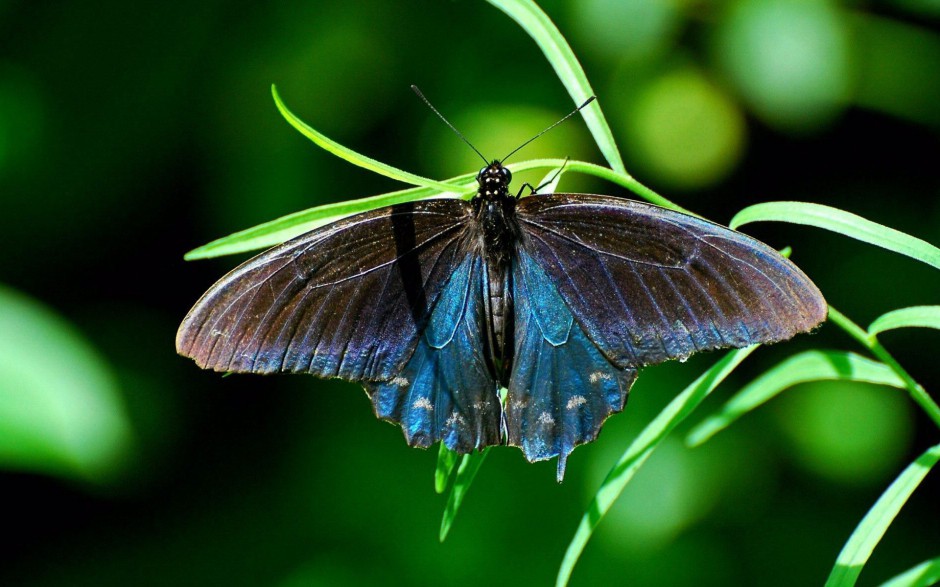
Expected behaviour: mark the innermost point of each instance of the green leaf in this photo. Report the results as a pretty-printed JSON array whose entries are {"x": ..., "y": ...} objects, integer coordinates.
[
  {"x": 842, "y": 222},
  {"x": 60, "y": 409},
  {"x": 549, "y": 183},
  {"x": 869, "y": 531},
  {"x": 469, "y": 466},
  {"x": 923, "y": 575},
  {"x": 620, "y": 178},
  {"x": 870, "y": 342},
  {"x": 641, "y": 449},
  {"x": 446, "y": 459},
  {"x": 287, "y": 227},
  {"x": 801, "y": 368},
  {"x": 559, "y": 54},
  {"x": 284, "y": 228},
  {"x": 913, "y": 317},
  {"x": 354, "y": 157}
]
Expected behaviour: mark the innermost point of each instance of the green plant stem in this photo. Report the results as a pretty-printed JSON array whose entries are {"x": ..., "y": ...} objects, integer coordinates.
[
  {"x": 870, "y": 341},
  {"x": 869, "y": 532},
  {"x": 549, "y": 39},
  {"x": 640, "y": 450},
  {"x": 620, "y": 178}
]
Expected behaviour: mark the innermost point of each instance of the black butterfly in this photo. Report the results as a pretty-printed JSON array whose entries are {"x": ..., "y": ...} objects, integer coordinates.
[{"x": 436, "y": 305}]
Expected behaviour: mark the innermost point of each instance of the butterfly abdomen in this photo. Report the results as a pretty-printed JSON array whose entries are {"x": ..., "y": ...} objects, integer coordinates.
[{"x": 499, "y": 313}]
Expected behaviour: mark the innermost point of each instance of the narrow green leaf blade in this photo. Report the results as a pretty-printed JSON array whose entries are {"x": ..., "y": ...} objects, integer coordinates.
[
  {"x": 808, "y": 366},
  {"x": 281, "y": 229},
  {"x": 446, "y": 459},
  {"x": 842, "y": 222},
  {"x": 620, "y": 178},
  {"x": 873, "y": 526},
  {"x": 559, "y": 54},
  {"x": 352, "y": 156},
  {"x": 925, "y": 574},
  {"x": 549, "y": 183},
  {"x": 467, "y": 470},
  {"x": 912, "y": 317},
  {"x": 870, "y": 342},
  {"x": 640, "y": 450}
]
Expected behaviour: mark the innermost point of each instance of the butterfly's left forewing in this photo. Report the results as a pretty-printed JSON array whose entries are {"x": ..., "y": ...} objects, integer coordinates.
[{"x": 648, "y": 284}]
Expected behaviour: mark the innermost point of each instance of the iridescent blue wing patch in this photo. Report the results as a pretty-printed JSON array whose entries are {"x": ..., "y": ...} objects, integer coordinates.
[
  {"x": 562, "y": 387},
  {"x": 446, "y": 391}
]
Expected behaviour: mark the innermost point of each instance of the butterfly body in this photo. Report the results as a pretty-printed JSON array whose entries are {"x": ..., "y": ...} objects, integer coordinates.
[
  {"x": 560, "y": 298},
  {"x": 494, "y": 210}
]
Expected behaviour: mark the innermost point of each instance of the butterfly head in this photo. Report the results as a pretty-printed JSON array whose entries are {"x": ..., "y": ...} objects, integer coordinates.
[{"x": 494, "y": 181}]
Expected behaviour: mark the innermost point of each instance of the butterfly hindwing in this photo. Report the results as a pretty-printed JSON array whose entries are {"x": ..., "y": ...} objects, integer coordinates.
[
  {"x": 348, "y": 300},
  {"x": 648, "y": 284},
  {"x": 562, "y": 387},
  {"x": 446, "y": 392}
]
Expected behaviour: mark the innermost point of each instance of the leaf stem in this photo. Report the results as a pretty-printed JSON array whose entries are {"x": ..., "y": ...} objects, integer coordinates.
[
  {"x": 640, "y": 450},
  {"x": 870, "y": 341},
  {"x": 620, "y": 178}
]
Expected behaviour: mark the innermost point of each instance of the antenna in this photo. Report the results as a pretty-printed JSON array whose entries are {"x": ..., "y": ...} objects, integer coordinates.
[
  {"x": 566, "y": 117},
  {"x": 457, "y": 132}
]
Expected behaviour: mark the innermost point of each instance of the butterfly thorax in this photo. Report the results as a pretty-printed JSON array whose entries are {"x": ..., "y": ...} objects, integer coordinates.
[{"x": 495, "y": 210}]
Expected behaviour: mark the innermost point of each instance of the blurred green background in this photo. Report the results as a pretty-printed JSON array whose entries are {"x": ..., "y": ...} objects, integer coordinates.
[{"x": 131, "y": 133}]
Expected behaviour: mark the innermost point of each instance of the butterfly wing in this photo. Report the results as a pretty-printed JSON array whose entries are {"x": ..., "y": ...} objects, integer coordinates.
[
  {"x": 446, "y": 392},
  {"x": 605, "y": 285},
  {"x": 391, "y": 298},
  {"x": 346, "y": 300},
  {"x": 562, "y": 387},
  {"x": 649, "y": 284}
]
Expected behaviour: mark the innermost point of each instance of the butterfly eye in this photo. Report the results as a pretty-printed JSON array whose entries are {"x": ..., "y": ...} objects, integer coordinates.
[
  {"x": 506, "y": 174},
  {"x": 482, "y": 173}
]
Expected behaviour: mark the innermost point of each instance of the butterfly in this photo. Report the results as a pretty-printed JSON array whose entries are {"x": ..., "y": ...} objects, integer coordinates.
[{"x": 559, "y": 299}]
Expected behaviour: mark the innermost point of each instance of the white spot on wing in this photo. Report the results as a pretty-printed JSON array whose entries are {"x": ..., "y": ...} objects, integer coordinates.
[
  {"x": 400, "y": 381},
  {"x": 599, "y": 376},
  {"x": 455, "y": 419},
  {"x": 576, "y": 401},
  {"x": 422, "y": 403},
  {"x": 546, "y": 418}
]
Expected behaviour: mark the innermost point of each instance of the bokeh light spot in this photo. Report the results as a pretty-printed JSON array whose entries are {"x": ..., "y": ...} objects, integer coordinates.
[
  {"x": 672, "y": 490},
  {"x": 847, "y": 432},
  {"x": 626, "y": 29},
  {"x": 789, "y": 59},
  {"x": 685, "y": 131},
  {"x": 60, "y": 411}
]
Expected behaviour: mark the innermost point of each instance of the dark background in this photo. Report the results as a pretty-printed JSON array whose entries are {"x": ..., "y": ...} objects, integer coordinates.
[{"x": 131, "y": 133}]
